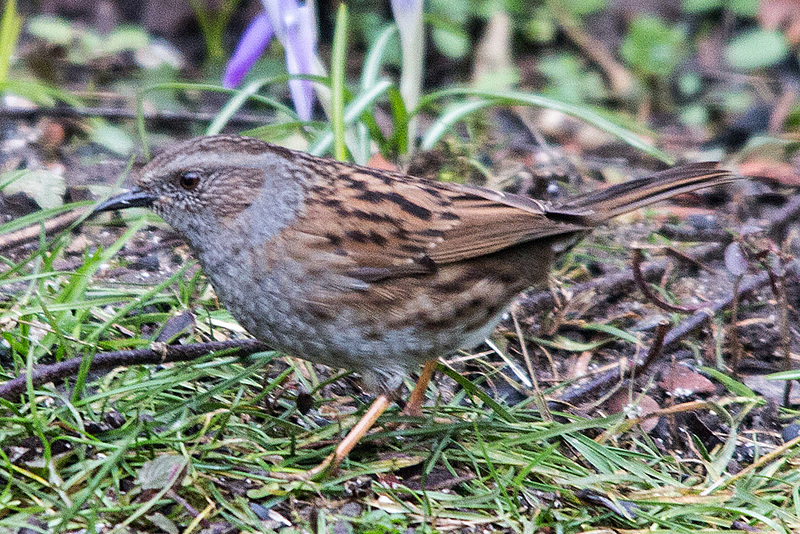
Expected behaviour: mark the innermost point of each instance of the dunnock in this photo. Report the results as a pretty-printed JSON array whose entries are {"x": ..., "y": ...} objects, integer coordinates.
[{"x": 368, "y": 269}]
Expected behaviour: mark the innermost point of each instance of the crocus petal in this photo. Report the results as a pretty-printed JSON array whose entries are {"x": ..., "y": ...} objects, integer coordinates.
[
  {"x": 299, "y": 42},
  {"x": 295, "y": 27},
  {"x": 308, "y": 21},
  {"x": 408, "y": 17},
  {"x": 299, "y": 58},
  {"x": 276, "y": 9},
  {"x": 252, "y": 44}
]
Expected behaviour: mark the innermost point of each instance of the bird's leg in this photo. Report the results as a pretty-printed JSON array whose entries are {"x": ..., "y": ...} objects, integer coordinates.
[
  {"x": 414, "y": 404},
  {"x": 343, "y": 449}
]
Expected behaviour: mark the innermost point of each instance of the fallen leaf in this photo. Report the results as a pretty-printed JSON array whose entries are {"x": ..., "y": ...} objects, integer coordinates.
[
  {"x": 166, "y": 469},
  {"x": 775, "y": 171},
  {"x": 377, "y": 161},
  {"x": 680, "y": 381},
  {"x": 643, "y": 405}
]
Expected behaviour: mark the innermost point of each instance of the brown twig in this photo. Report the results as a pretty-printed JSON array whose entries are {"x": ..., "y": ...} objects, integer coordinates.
[
  {"x": 749, "y": 284},
  {"x": 735, "y": 342},
  {"x": 619, "y": 78},
  {"x": 43, "y": 374},
  {"x": 783, "y": 317},
  {"x": 615, "y": 282},
  {"x": 638, "y": 277},
  {"x": 656, "y": 348},
  {"x": 696, "y": 320},
  {"x": 690, "y": 233},
  {"x": 32, "y": 232},
  {"x": 787, "y": 215},
  {"x": 605, "y": 380},
  {"x": 685, "y": 258},
  {"x": 240, "y": 119}
]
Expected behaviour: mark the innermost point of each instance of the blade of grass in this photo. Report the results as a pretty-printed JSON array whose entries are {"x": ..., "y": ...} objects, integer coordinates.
[
  {"x": 338, "y": 61},
  {"x": 39, "y": 217},
  {"x": 371, "y": 69},
  {"x": 451, "y": 115},
  {"x": 510, "y": 98},
  {"x": 10, "y": 26},
  {"x": 235, "y": 103},
  {"x": 176, "y": 86},
  {"x": 355, "y": 108},
  {"x": 476, "y": 391},
  {"x": 400, "y": 118}
]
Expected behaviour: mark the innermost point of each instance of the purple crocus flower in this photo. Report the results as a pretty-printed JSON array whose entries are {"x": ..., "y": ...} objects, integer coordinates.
[
  {"x": 252, "y": 44},
  {"x": 295, "y": 26},
  {"x": 408, "y": 17}
]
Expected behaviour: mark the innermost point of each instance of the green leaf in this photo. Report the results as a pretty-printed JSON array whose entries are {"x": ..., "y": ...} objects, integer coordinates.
[
  {"x": 452, "y": 114},
  {"x": 541, "y": 26},
  {"x": 613, "y": 331},
  {"x": 113, "y": 138},
  {"x": 37, "y": 92},
  {"x": 652, "y": 47},
  {"x": 54, "y": 30},
  {"x": 375, "y": 57},
  {"x": 701, "y": 6},
  {"x": 794, "y": 374},
  {"x": 273, "y": 133},
  {"x": 585, "y": 7},
  {"x": 45, "y": 187},
  {"x": 472, "y": 389},
  {"x": 125, "y": 38},
  {"x": 238, "y": 100},
  {"x": 570, "y": 80},
  {"x": 744, "y": 8},
  {"x": 734, "y": 386},
  {"x": 756, "y": 49},
  {"x": 452, "y": 43},
  {"x": 354, "y": 109},
  {"x": 515, "y": 98}
]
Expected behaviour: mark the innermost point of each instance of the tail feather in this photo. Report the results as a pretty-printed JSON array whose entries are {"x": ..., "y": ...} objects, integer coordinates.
[{"x": 597, "y": 207}]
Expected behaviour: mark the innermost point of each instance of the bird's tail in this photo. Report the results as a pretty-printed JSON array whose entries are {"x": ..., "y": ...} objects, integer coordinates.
[{"x": 597, "y": 207}]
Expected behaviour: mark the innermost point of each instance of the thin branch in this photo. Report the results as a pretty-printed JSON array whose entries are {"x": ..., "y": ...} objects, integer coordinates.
[
  {"x": 32, "y": 232},
  {"x": 656, "y": 347},
  {"x": 690, "y": 233},
  {"x": 240, "y": 119},
  {"x": 648, "y": 293},
  {"x": 616, "y": 282},
  {"x": 43, "y": 374},
  {"x": 690, "y": 324}
]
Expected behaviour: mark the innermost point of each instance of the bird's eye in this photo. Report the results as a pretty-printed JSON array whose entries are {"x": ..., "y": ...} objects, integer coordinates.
[{"x": 189, "y": 179}]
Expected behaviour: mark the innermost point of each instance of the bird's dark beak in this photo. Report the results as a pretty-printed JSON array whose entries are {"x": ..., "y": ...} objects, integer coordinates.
[{"x": 135, "y": 198}]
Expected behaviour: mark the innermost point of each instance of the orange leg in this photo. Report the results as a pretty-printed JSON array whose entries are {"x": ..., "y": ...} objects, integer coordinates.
[
  {"x": 343, "y": 449},
  {"x": 414, "y": 404}
]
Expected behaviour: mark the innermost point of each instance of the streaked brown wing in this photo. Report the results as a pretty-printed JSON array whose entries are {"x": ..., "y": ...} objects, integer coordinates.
[{"x": 388, "y": 225}]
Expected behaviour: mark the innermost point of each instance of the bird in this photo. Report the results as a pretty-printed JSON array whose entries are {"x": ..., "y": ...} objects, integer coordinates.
[{"x": 369, "y": 270}]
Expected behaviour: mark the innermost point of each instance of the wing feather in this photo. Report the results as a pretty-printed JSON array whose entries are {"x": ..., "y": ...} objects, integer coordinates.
[{"x": 390, "y": 225}]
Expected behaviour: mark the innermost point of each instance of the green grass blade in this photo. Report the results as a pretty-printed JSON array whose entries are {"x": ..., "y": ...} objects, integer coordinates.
[
  {"x": 474, "y": 390},
  {"x": 236, "y": 102},
  {"x": 452, "y": 114},
  {"x": 10, "y": 26},
  {"x": 338, "y": 62},
  {"x": 733, "y": 385},
  {"x": 355, "y": 108},
  {"x": 514, "y": 98},
  {"x": 374, "y": 61}
]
